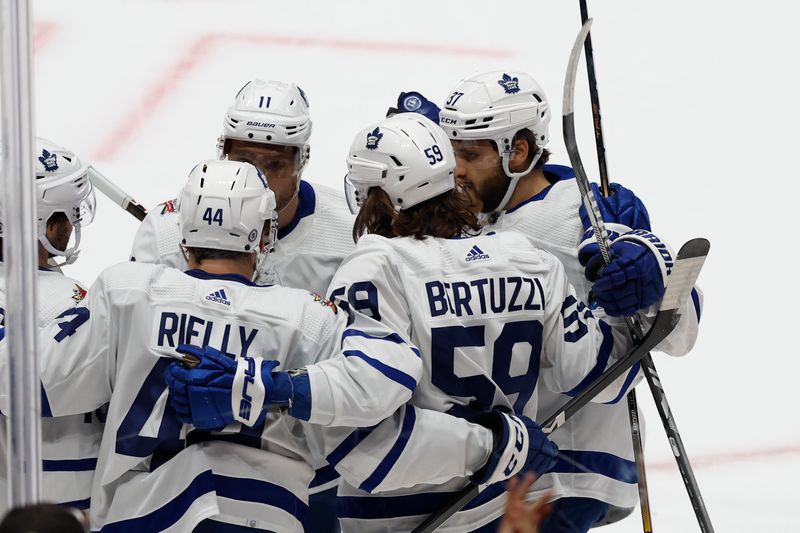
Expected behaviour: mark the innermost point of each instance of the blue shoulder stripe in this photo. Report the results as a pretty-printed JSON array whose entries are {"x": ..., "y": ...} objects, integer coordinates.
[
  {"x": 391, "y": 458},
  {"x": 390, "y": 372},
  {"x": 392, "y": 337},
  {"x": 631, "y": 375}
]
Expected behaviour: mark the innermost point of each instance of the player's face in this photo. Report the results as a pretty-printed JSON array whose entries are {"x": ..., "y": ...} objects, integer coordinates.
[
  {"x": 479, "y": 169},
  {"x": 58, "y": 232},
  {"x": 279, "y": 164}
]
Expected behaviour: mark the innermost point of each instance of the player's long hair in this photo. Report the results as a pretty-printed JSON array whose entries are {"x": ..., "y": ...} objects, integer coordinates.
[{"x": 447, "y": 215}]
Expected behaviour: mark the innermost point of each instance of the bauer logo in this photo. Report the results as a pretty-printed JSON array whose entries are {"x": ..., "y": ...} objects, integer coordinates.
[
  {"x": 374, "y": 138},
  {"x": 510, "y": 85},
  {"x": 49, "y": 161},
  {"x": 476, "y": 254},
  {"x": 266, "y": 125},
  {"x": 218, "y": 297}
]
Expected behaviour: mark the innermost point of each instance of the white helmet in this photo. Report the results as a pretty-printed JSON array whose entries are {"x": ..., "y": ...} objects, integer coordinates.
[
  {"x": 270, "y": 112},
  {"x": 495, "y": 106},
  {"x": 406, "y": 155},
  {"x": 224, "y": 205},
  {"x": 62, "y": 186}
]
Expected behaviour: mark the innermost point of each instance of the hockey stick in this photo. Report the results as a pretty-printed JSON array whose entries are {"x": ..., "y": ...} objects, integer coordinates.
[
  {"x": 595, "y": 97},
  {"x": 116, "y": 195},
  {"x": 684, "y": 274},
  {"x": 633, "y": 404},
  {"x": 602, "y": 238}
]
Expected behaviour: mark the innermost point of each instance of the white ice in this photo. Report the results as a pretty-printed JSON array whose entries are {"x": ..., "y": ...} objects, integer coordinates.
[{"x": 700, "y": 111}]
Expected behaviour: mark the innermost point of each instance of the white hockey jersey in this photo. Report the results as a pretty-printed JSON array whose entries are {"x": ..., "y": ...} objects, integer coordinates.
[
  {"x": 154, "y": 474},
  {"x": 598, "y": 437},
  {"x": 308, "y": 252},
  {"x": 493, "y": 317},
  {"x": 69, "y": 443}
]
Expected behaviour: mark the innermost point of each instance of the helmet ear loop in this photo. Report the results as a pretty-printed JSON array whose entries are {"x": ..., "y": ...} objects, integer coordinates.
[{"x": 515, "y": 176}]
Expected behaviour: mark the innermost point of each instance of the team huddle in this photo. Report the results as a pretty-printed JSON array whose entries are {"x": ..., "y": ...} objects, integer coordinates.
[{"x": 280, "y": 356}]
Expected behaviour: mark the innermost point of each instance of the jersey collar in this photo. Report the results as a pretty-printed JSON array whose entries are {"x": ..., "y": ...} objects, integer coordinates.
[
  {"x": 202, "y": 274},
  {"x": 307, "y": 203},
  {"x": 560, "y": 172}
]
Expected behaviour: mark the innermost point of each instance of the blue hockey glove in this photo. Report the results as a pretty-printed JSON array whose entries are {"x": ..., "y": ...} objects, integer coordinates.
[
  {"x": 520, "y": 446},
  {"x": 636, "y": 277},
  {"x": 414, "y": 102},
  {"x": 622, "y": 206},
  {"x": 221, "y": 390}
]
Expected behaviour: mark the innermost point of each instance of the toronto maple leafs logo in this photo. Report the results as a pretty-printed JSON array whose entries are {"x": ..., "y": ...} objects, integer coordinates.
[
  {"x": 510, "y": 85},
  {"x": 374, "y": 138},
  {"x": 49, "y": 161}
]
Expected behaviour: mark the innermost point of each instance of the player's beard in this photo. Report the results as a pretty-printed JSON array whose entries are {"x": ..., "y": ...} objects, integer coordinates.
[
  {"x": 59, "y": 237},
  {"x": 493, "y": 189}
]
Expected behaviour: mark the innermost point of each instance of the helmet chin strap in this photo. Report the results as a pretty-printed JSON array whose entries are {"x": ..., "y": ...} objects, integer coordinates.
[
  {"x": 514, "y": 176},
  {"x": 71, "y": 254}
]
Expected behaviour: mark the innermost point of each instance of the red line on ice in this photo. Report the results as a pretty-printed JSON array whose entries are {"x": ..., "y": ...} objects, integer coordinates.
[
  {"x": 200, "y": 48},
  {"x": 42, "y": 34},
  {"x": 702, "y": 461}
]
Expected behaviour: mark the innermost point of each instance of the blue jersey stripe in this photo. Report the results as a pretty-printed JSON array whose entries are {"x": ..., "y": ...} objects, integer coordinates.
[
  {"x": 392, "y": 337},
  {"x": 168, "y": 514},
  {"x": 77, "y": 504},
  {"x": 45, "y": 403},
  {"x": 382, "y": 507},
  {"x": 631, "y": 375},
  {"x": 69, "y": 465},
  {"x": 696, "y": 301},
  {"x": 324, "y": 475},
  {"x": 256, "y": 490},
  {"x": 391, "y": 458},
  {"x": 348, "y": 444},
  {"x": 390, "y": 372},
  {"x": 602, "y": 360},
  {"x": 602, "y": 463}
]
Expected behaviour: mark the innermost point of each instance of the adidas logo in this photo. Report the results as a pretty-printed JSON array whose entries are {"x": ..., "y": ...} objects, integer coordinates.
[
  {"x": 476, "y": 254},
  {"x": 219, "y": 297}
]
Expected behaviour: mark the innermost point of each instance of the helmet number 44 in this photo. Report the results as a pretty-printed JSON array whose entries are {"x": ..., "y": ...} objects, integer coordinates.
[{"x": 216, "y": 217}]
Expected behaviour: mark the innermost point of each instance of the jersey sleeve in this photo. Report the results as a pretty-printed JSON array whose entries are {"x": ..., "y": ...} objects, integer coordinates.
[
  {"x": 158, "y": 238},
  {"x": 411, "y": 447},
  {"x": 579, "y": 346},
  {"x": 74, "y": 352}
]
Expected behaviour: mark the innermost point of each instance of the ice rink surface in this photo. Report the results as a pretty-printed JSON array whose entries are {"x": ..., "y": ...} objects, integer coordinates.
[{"x": 700, "y": 108}]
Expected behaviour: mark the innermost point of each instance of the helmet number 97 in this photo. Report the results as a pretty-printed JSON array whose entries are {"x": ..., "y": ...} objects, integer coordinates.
[
  {"x": 217, "y": 216},
  {"x": 434, "y": 154}
]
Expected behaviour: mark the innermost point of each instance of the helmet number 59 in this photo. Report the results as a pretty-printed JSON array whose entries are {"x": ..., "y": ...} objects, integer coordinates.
[{"x": 434, "y": 154}]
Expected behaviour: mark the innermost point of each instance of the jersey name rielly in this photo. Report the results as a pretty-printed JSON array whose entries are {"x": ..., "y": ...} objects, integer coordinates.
[
  {"x": 174, "y": 328},
  {"x": 497, "y": 295}
]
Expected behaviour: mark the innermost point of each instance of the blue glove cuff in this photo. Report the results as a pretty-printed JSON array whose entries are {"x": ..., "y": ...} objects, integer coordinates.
[{"x": 301, "y": 399}]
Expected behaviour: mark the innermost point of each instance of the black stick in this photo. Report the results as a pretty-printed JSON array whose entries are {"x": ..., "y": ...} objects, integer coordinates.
[
  {"x": 633, "y": 406},
  {"x": 648, "y": 366},
  {"x": 596, "y": 118}
]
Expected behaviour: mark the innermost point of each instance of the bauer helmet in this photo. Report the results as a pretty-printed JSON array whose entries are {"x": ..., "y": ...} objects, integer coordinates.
[
  {"x": 271, "y": 112},
  {"x": 495, "y": 106},
  {"x": 406, "y": 155},
  {"x": 224, "y": 206},
  {"x": 62, "y": 186}
]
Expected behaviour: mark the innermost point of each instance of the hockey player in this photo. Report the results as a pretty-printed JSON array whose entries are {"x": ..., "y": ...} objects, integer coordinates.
[
  {"x": 239, "y": 467},
  {"x": 269, "y": 126},
  {"x": 492, "y": 315},
  {"x": 64, "y": 204},
  {"x": 498, "y": 125}
]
